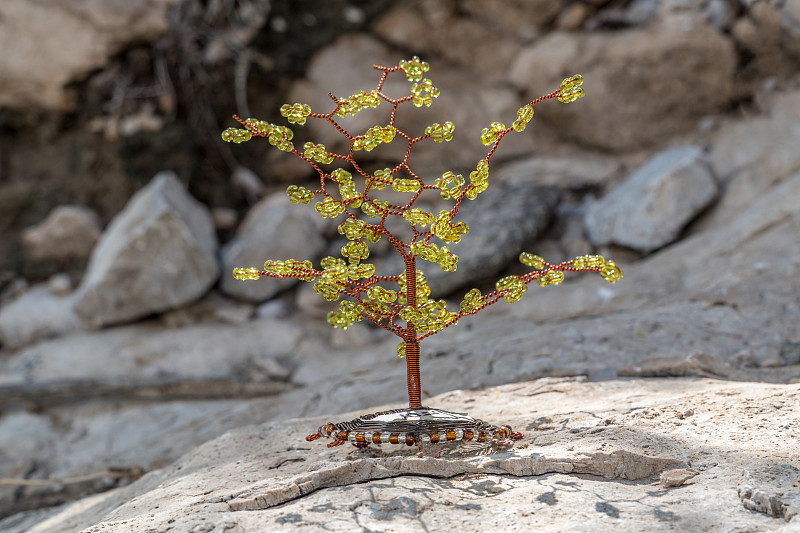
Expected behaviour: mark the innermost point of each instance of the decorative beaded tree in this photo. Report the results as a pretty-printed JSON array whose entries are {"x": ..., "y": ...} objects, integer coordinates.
[{"x": 407, "y": 311}]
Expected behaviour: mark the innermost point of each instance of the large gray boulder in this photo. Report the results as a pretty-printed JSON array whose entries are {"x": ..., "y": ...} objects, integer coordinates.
[
  {"x": 273, "y": 229},
  {"x": 651, "y": 207},
  {"x": 158, "y": 253}
]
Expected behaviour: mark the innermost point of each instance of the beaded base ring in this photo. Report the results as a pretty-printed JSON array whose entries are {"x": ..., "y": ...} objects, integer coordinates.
[{"x": 415, "y": 427}]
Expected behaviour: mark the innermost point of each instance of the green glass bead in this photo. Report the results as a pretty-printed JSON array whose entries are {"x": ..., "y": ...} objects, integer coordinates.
[
  {"x": 441, "y": 132},
  {"x": 371, "y": 234},
  {"x": 589, "y": 261},
  {"x": 611, "y": 272},
  {"x": 571, "y": 89},
  {"x": 329, "y": 291},
  {"x": 554, "y": 277},
  {"x": 236, "y": 135},
  {"x": 298, "y": 195},
  {"x": 418, "y": 217},
  {"x": 352, "y": 229},
  {"x": 296, "y": 113},
  {"x": 406, "y": 185},
  {"x": 355, "y": 251},
  {"x": 401, "y": 349},
  {"x": 447, "y": 260},
  {"x": 492, "y": 133},
  {"x": 513, "y": 288},
  {"x": 246, "y": 273},
  {"x": 472, "y": 300},
  {"x": 423, "y": 93},
  {"x": 450, "y": 185},
  {"x": 414, "y": 68},
  {"x": 376, "y": 292},
  {"x": 349, "y": 194},
  {"x": 524, "y": 115},
  {"x": 340, "y": 175},
  {"x": 330, "y": 262},
  {"x": 281, "y": 137},
  {"x": 259, "y": 125},
  {"x": 317, "y": 152},
  {"x": 361, "y": 270},
  {"x": 329, "y": 207},
  {"x": 531, "y": 260}
]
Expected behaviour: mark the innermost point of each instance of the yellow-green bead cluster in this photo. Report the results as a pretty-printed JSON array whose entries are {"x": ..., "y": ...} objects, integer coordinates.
[
  {"x": 428, "y": 251},
  {"x": 611, "y": 272},
  {"x": 450, "y": 184},
  {"x": 357, "y": 102},
  {"x": 554, "y": 277},
  {"x": 444, "y": 228},
  {"x": 246, "y": 273},
  {"x": 524, "y": 115},
  {"x": 348, "y": 314},
  {"x": 381, "y": 178},
  {"x": 329, "y": 207},
  {"x": 406, "y": 185},
  {"x": 491, "y": 134},
  {"x": 299, "y": 195},
  {"x": 441, "y": 132},
  {"x": 479, "y": 178},
  {"x": 373, "y": 137},
  {"x": 361, "y": 270},
  {"x": 335, "y": 273},
  {"x": 423, "y": 93},
  {"x": 418, "y": 217},
  {"x": 401, "y": 349},
  {"x": 423, "y": 290},
  {"x": 236, "y": 135},
  {"x": 259, "y": 125},
  {"x": 571, "y": 89},
  {"x": 414, "y": 68},
  {"x": 317, "y": 152},
  {"x": 376, "y": 210},
  {"x": 531, "y": 260},
  {"x": 281, "y": 138},
  {"x": 374, "y": 309},
  {"x": 513, "y": 288},
  {"x": 429, "y": 316},
  {"x": 355, "y": 251},
  {"x": 349, "y": 194},
  {"x": 589, "y": 261},
  {"x": 289, "y": 267},
  {"x": 472, "y": 300},
  {"x": 376, "y": 292},
  {"x": 340, "y": 175},
  {"x": 296, "y": 113},
  {"x": 352, "y": 228}
]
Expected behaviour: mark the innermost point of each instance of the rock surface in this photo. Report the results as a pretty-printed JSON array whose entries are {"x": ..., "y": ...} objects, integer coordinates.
[
  {"x": 38, "y": 314},
  {"x": 273, "y": 229},
  {"x": 668, "y": 75},
  {"x": 650, "y": 208},
  {"x": 159, "y": 253},
  {"x": 68, "y": 232},
  {"x": 576, "y": 467},
  {"x": 35, "y": 71}
]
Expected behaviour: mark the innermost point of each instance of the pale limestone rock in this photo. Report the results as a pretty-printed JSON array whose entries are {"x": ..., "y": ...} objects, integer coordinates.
[
  {"x": 273, "y": 229},
  {"x": 34, "y": 70},
  {"x": 266, "y": 476},
  {"x": 68, "y": 232},
  {"x": 159, "y": 253},
  {"x": 650, "y": 208},
  {"x": 675, "y": 477},
  {"x": 37, "y": 314},
  {"x": 664, "y": 77}
]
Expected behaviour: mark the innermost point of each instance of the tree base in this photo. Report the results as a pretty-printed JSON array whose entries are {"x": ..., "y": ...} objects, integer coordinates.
[{"x": 415, "y": 427}]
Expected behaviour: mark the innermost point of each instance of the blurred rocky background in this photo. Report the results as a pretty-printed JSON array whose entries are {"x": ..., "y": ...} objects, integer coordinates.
[{"x": 125, "y": 342}]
